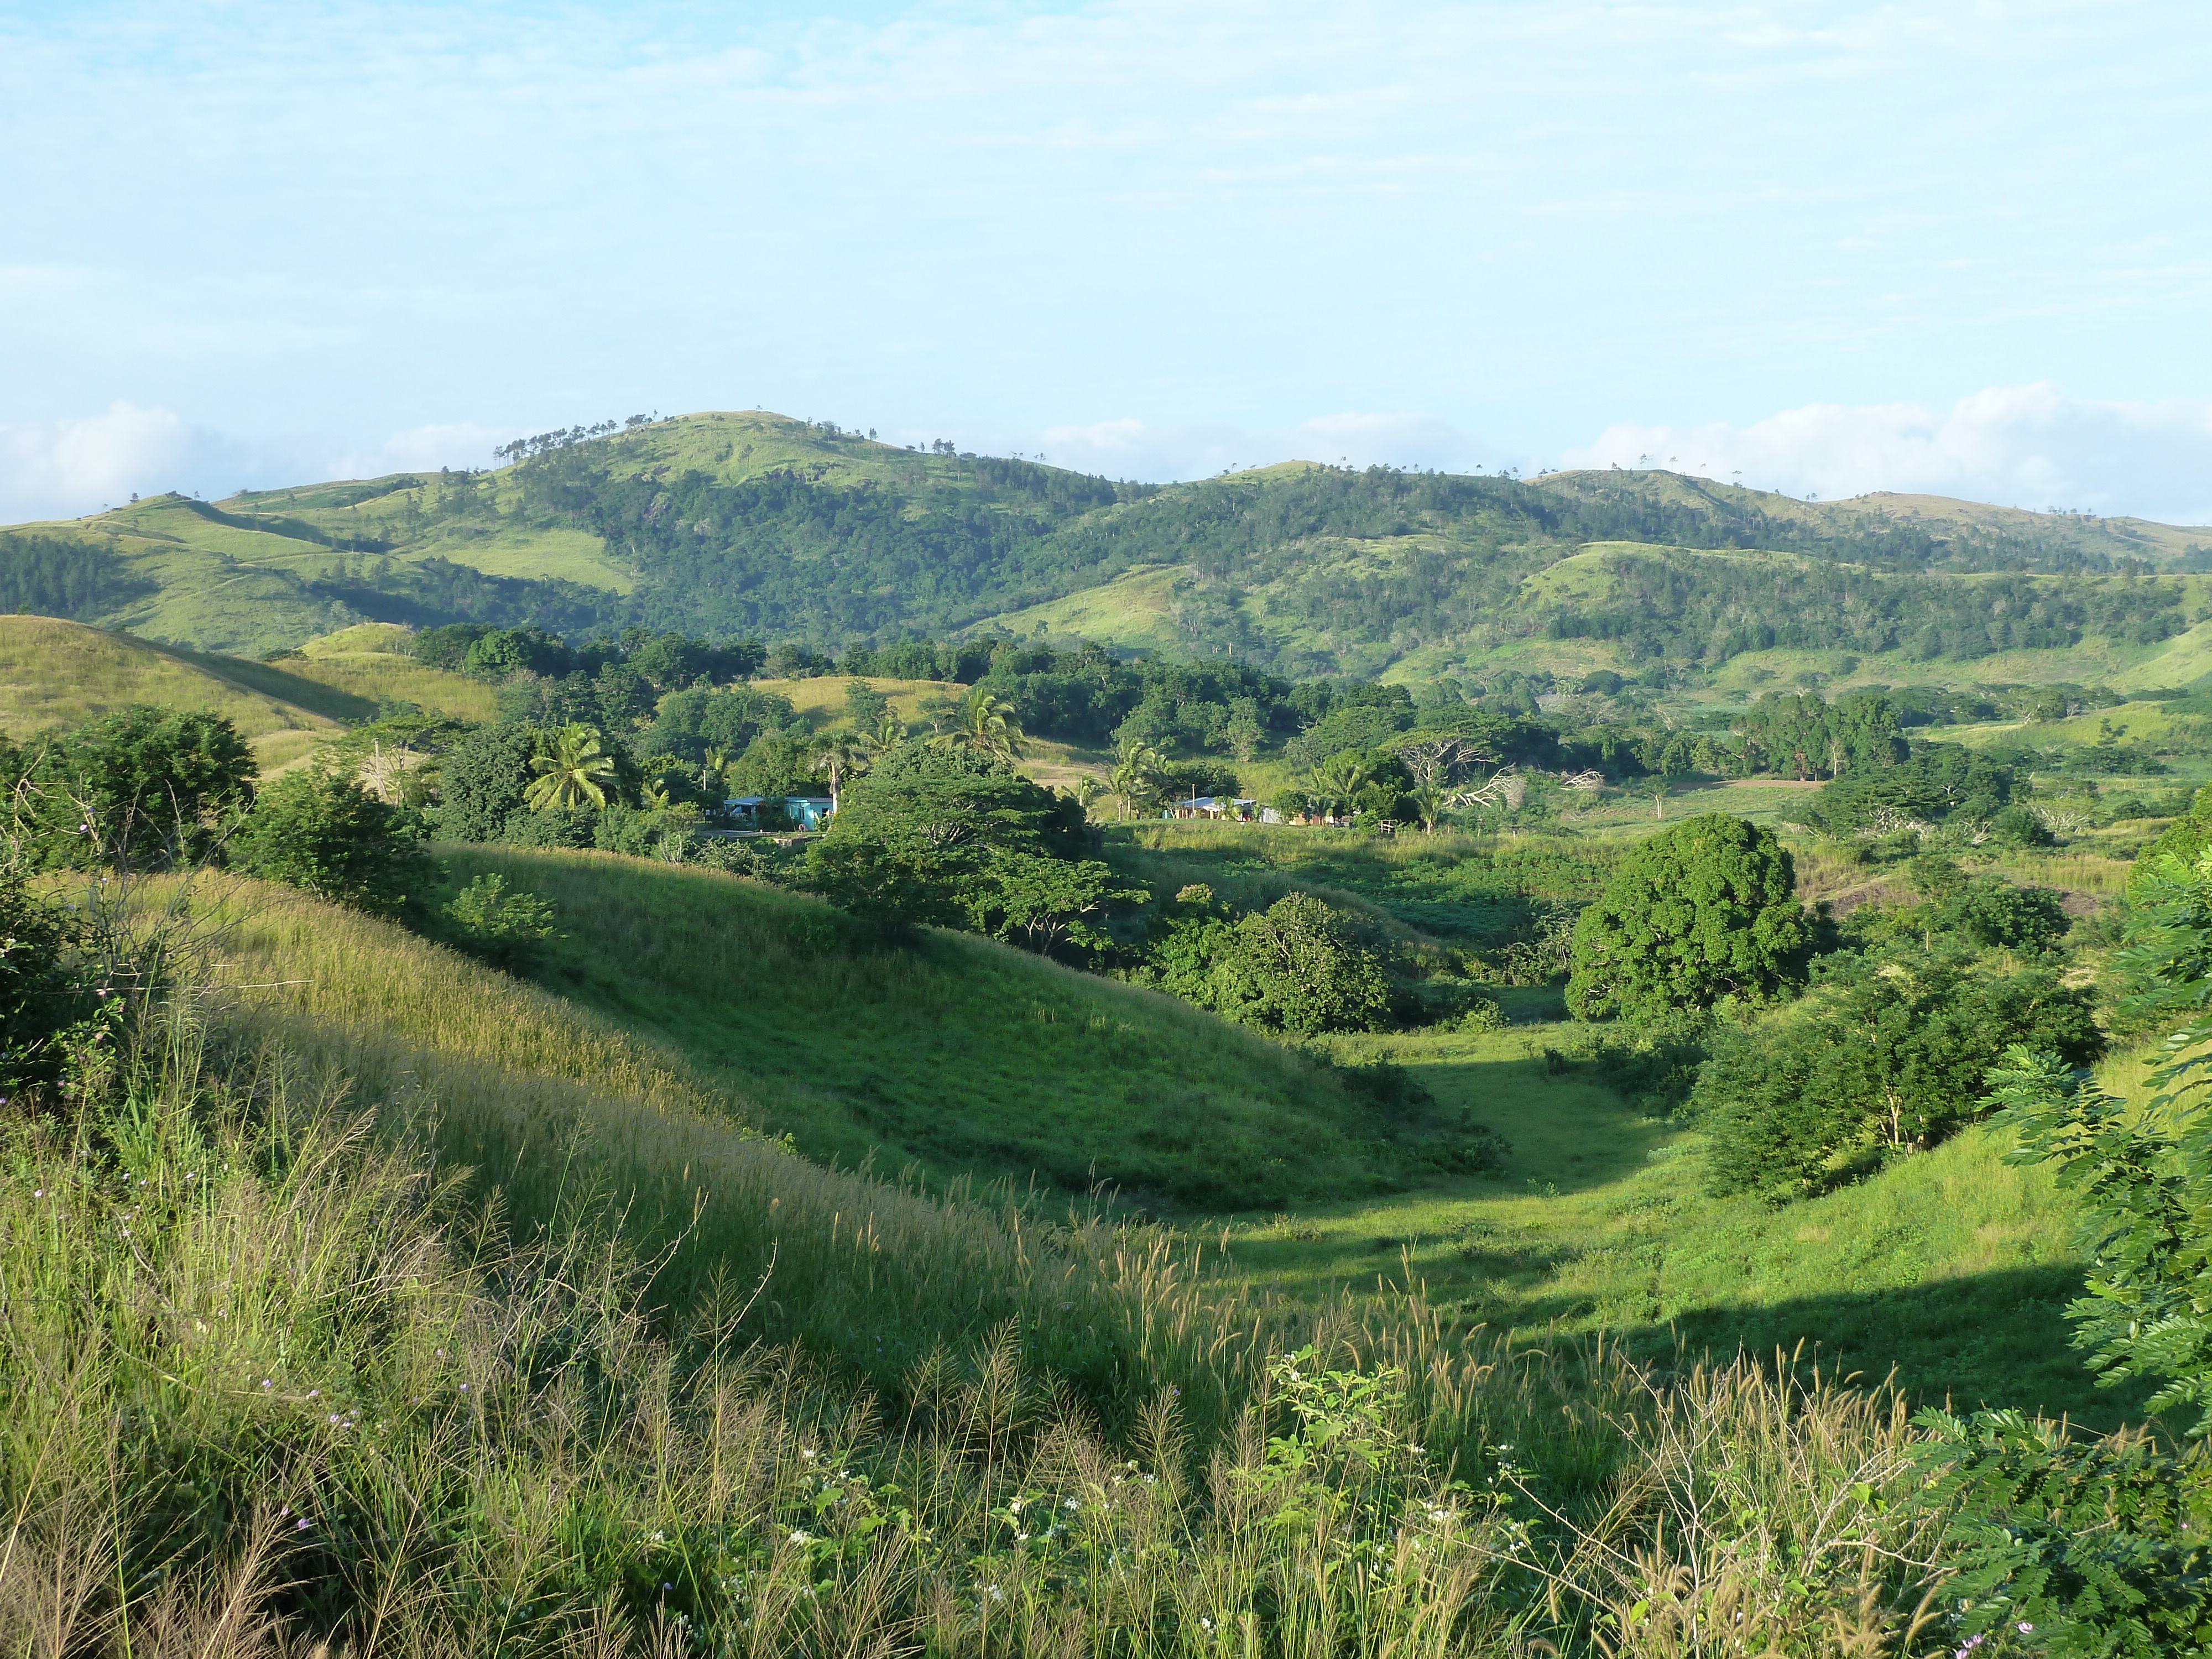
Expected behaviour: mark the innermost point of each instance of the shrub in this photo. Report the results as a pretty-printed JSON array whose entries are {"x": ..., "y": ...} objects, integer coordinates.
[
  {"x": 2172, "y": 857},
  {"x": 1295, "y": 967},
  {"x": 316, "y": 831},
  {"x": 143, "y": 789},
  {"x": 1894, "y": 1057},
  {"x": 1705, "y": 910},
  {"x": 501, "y": 927},
  {"x": 1985, "y": 912},
  {"x": 37, "y": 1000}
]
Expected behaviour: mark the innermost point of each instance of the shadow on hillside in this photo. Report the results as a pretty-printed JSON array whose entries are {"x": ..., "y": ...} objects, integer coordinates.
[
  {"x": 1998, "y": 1339},
  {"x": 1567, "y": 1130}
]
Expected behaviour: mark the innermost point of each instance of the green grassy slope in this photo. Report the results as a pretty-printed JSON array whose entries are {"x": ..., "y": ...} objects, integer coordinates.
[
  {"x": 969, "y": 1056},
  {"x": 1952, "y": 1267},
  {"x": 796, "y": 1422},
  {"x": 55, "y": 673}
]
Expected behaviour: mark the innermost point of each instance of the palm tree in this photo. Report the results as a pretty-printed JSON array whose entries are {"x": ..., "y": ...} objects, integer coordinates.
[
  {"x": 1137, "y": 768},
  {"x": 843, "y": 755},
  {"x": 890, "y": 733},
  {"x": 576, "y": 772},
  {"x": 1341, "y": 777},
  {"x": 1087, "y": 789},
  {"x": 987, "y": 725},
  {"x": 1429, "y": 802}
]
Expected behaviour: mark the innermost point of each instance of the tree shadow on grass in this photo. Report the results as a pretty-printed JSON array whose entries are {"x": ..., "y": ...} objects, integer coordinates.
[{"x": 1998, "y": 1339}]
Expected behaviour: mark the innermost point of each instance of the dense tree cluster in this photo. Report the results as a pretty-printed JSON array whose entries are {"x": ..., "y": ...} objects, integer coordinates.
[
  {"x": 1891, "y": 1051},
  {"x": 58, "y": 576}
]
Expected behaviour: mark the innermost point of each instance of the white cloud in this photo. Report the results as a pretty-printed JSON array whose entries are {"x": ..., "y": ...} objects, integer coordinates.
[
  {"x": 77, "y": 465},
  {"x": 1130, "y": 449},
  {"x": 62, "y": 468},
  {"x": 2027, "y": 446},
  {"x": 424, "y": 449}
]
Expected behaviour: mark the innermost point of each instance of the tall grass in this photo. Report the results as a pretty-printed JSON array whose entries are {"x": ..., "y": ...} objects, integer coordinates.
[{"x": 274, "y": 1380}]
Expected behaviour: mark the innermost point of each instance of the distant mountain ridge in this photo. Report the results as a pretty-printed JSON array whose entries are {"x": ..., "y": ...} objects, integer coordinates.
[{"x": 751, "y": 523}]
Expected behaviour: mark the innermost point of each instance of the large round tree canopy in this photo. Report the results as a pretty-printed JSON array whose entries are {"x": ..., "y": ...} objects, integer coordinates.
[{"x": 1705, "y": 910}]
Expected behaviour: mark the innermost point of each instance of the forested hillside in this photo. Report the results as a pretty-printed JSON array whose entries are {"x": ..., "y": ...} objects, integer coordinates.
[{"x": 735, "y": 525}]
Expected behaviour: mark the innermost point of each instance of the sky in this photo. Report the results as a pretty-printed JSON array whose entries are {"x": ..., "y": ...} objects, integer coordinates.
[{"x": 1953, "y": 245}]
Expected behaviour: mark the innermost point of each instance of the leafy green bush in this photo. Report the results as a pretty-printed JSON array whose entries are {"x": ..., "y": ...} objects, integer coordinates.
[
  {"x": 501, "y": 927},
  {"x": 1705, "y": 910},
  {"x": 2082, "y": 1548},
  {"x": 37, "y": 997},
  {"x": 1985, "y": 912},
  {"x": 2105, "y": 1548},
  {"x": 314, "y": 829},
  {"x": 2173, "y": 855},
  {"x": 145, "y": 789},
  {"x": 1296, "y": 967}
]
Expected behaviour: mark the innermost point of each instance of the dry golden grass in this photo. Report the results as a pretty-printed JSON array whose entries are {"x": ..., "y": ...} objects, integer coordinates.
[
  {"x": 55, "y": 674},
  {"x": 821, "y": 700}
]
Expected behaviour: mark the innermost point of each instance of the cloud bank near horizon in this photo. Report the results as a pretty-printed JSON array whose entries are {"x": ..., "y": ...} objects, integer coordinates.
[
  {"x": 2030, "y": 445},
  {"x": 2027, "y": 446}
]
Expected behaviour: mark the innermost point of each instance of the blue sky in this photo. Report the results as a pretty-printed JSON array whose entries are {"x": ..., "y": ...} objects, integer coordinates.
[{"x": 1954, "y": 246}]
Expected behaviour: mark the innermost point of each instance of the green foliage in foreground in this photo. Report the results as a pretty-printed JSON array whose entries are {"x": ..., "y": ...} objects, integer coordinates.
[
  {"x": 1705, "y": 910},
  {"x": 210, "y": 1217},
  {"x": 143, "y": 789},
  {"x": 2107, "y": 1549}
]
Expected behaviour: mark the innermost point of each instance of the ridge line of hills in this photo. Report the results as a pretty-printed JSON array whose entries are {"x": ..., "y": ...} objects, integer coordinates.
[{"x": 729, "y": 524}]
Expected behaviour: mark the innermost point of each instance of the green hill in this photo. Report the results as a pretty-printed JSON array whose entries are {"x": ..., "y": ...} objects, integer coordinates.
[
  {"x": 971, "y": 1057},
  {"x": 55, "y": 673},
  {"x": 731, "y": 524}
]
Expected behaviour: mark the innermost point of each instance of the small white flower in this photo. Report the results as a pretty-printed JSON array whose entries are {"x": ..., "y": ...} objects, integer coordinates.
[{"x": 801, "y": 1538}]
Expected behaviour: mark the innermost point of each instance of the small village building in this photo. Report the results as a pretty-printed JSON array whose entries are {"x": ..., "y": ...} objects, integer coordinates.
[
  {"x": 805, "y": 812},
  {"x": 1216, "y": 806}
]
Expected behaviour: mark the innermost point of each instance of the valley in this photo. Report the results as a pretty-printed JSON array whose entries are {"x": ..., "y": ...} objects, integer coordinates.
[{"x": 725, "y": 946}]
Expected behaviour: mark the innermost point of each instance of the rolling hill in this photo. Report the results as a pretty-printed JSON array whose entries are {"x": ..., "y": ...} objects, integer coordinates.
[
  {"x": 56, "y": 673},
  {"x": 735, "y": 524}
]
